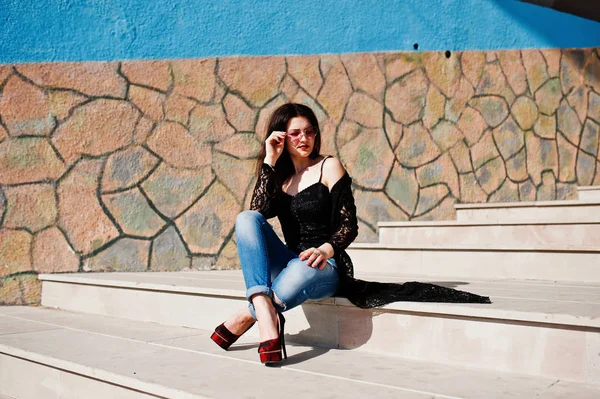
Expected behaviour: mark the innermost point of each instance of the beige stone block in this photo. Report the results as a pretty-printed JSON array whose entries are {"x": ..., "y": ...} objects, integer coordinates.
[
  {"x": 365, "y": 74},
  {"x": 52, "y": 253},
  {"x": 194, "y": 78},
  {"x": 239, "y": 114},
  {"x": 179, "y": 147},
  {"x": 305, "y": 70},
  {"x": 150, "y": 102},
  {"x": 364, "y": 110},
  {"x": 30, "y": 206},
  {"x": 472, "y": 63},
  {"x": 155, "y": 73},
  {"x": 512, "y": 66},
  {"x": 406, "y": 97},
  {"x": 177, "y": 108},
  {"x": 535, "y": 65},
  {"x": 15, "y": 252},
  {"x": 28, "y": 160}
]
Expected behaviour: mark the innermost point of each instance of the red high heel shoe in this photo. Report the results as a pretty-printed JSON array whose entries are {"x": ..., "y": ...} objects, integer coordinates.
[
  {"x": 224, "y": 338},
  {"x": 271, "y": 351}
]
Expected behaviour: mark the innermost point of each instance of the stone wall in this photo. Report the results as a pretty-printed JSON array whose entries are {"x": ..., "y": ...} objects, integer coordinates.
[{"x": 143, "y": 165}]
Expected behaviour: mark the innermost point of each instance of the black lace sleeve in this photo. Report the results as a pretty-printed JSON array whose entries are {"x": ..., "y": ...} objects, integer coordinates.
[
  {"x": 265, "y": 197},
  {"x": 344, "y": 222}
]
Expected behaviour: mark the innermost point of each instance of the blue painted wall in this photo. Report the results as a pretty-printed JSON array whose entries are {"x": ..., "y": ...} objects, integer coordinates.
[{"x": 84, "y": 30}]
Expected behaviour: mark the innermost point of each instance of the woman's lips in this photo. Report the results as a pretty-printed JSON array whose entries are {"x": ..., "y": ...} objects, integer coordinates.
[{"x": 302, "y": 147}]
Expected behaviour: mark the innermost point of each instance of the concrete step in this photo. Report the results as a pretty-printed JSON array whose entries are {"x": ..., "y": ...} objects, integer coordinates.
[
  {"x": 562, "y": 264},
  {"x": 578, "y": 211},
  {"x": 537, "y": 328},
  {"x": 524, "y": 236},
  {"x": 589, "y": 193},
  {"x": 70, "y": 355}
]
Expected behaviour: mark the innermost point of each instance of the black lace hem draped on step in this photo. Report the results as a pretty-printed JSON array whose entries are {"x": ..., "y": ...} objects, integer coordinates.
[{"x": 343, "y": 227}]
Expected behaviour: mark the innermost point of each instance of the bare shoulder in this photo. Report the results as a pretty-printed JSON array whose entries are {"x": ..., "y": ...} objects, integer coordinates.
[{"x": 333, "y": 170}]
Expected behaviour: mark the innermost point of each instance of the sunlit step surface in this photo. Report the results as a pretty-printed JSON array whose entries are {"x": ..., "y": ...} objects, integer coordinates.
[{"x": 589, "y": 193}]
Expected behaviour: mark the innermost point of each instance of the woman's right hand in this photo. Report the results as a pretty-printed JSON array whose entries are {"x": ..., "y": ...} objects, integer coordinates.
[{"x": 274, "y": 147}]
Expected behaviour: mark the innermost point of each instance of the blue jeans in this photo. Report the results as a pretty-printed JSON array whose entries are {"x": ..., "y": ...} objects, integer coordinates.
[{"x": 271, "y": 268}]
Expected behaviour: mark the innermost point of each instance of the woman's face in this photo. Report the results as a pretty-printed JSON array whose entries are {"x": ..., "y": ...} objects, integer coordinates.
[{"x": 300, "y": 137}]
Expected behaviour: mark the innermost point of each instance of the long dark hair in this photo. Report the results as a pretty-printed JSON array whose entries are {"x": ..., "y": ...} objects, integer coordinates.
[{"x": 279, "y": 120}]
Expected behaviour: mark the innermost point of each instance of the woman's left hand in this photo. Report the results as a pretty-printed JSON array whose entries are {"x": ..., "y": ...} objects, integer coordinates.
[{"x": 317, "y": 257}]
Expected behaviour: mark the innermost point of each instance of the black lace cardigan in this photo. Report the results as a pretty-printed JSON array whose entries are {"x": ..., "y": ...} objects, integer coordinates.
[{"x": 344, "y": 229}]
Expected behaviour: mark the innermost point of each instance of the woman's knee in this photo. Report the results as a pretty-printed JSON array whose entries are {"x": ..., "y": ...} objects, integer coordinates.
[{"x": 248, "y": 220}]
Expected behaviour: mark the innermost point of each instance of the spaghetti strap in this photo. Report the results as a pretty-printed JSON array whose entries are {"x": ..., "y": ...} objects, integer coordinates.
[{"x": 323, "y": 164}]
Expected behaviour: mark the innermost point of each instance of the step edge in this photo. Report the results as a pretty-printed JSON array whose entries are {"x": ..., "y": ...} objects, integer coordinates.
[
  {"x": 588, "y": 188},
  {"x": 472, "y": 248},
  {"x": 98, "y": 374},
  {"x": 528, "y": 204},
  {"x": 483, "y": 223}
]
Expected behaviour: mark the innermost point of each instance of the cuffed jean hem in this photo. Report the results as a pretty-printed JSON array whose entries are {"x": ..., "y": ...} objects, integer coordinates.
[{"x": 258, "y": 289}]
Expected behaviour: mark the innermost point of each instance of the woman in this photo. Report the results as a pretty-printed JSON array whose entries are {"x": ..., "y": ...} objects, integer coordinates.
[{"x": 312, "y": 197}]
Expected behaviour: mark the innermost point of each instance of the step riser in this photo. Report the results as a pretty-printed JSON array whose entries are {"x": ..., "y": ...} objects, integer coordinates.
[
  {"x": 499, "y": 236},
  {"x": 51, "y": 383},
  {"x": 561, "y": 214},
  {"x": 558, "y": 266},
  {"x": 540, "y": 349},
  {"x": 589, "y": 195}
]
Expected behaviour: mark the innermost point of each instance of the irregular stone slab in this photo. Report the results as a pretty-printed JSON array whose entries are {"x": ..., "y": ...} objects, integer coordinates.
[
  {"x": 208, "y": 124},
  {"x": 20, "y": 290},
  {"x": 148, "y": 73},
  {"x": 27, "y": 160},
  {"x": 509, "y": 138},
  {"x": 373, "y": 207},
  {"x": 205, "y": 225},
  {"x": 535, "y": 66},
  {"x": 493, "y": 82},
  {"x": 567, "y": 191},
  {"x": 328, "y": 134},
  {"x": 416, "y": 147},
  {"x": 169, "y": 253},
  {"x": 434, "y": 107},
  {"x": 472, "y": 63},
  {"x": 542, "y": 155},
  {"x": 572, "y": 64},
  {"x": 456, "y": 105},
  {"x": 547, "y": 191},
  {"x": 242, "y": 145},
  {"x": 567, "y": 157},
  {"x": 194, "y": 78},
  {"x": 592, "y": 71},
  {"x": 53, "y": 254},
  {"x": 516, "y": 167},
  {"x": 347, "y": 132},
  {"x": 239, "y": 114},
  {"x": 265, "y": 114},
  {"x": 89, "y": 78},
  {"x": 594, "y": 106},
  {"x": 525, "y": 112},
  {"x": 204, "y": 262},
  {"x": 302, "y": 97},
  {"x": 305, "y": 69},
  {"x": 289, "y": 88},
  {"x": 25, "y": 109},
  {"x": 443, "y": 72},
  {"x": 548, "y": 97},
  {"x": 491, "y": 175},
  {"x": 484, "y": 150},
  {"x": 15, "y": 252},
  {"x": 445, "y": 134},
  {"x": 81, "y": 216},
  {"x": 589, "y": 138},
  {"x": 368, "y": 158},
  {"x": 61, "y": 102},
  {"x": 142, "y": 130},
  {"x": 228, "y": 258},
  {"x": 545, "y": 126},
  {"x": 403, "y": 188},
  {"x": 133, "y": 213},
  {"x": 30, "y": 206},
  {"x": 527, "y": 191},
  {"x": 429, "y": 198},
  {"x": 335, "y": 91},
  {"x": 179, "y": 148},
  {"x": 513, "y": 69},
  {"x": 125, "y": 255},
  {"x": 364, "y": 110},
  {"x": 441, "y": 170},
  {"x": 393, "y": 130},
  {"x": 461, "y": 157},
  {"x": 126, "y": 168},
  {"x": 172, "y": 190},
  {"x": 494, "y": 109},
  {"x": 508, "y": 192},
  {"x": 406, "y": 97},
  {"x": 177, "y": 108},
  {"x": 235, "y": 174},
  {"x": 257, "y": 79},
  {"x": 149, "y": 101},
  {"x": 365, "y": 74},
  {"x": 472, "y": 125},
  {"x": 470, "y": 190},
  {"x": 97, "y": 128},
  {"x": 568, "y": 122},
  {"x": 399, "y": 64},
  {"x": 586, "y": 168},
  {"x": 552, "y": 57},
  {"x": 444, "y": 211},
  {"x": 578, "y": 100}
]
